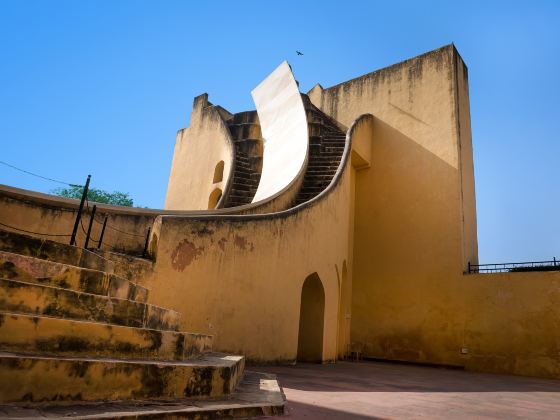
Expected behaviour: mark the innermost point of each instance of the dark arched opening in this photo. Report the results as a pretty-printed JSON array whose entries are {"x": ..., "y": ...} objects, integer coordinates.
[{"x": 311, "y": 320}]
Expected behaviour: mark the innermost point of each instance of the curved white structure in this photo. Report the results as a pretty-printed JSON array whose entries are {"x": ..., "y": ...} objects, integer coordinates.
[{"x": 284, "y": 129}]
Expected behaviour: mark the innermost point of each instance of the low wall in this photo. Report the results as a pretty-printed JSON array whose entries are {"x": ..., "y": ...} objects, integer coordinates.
[
  {"x": 512, "y": 323},
  {"x": 53, "y": 218}
]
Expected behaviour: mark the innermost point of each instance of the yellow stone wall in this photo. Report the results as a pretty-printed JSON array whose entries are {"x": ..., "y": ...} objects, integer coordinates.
[
  {"x": 415, "y": 232},
  {"x": 198, "y": 149},
  {"x": 511, "y": 322},
  {"x": 390, "y": 242},
  {"x": 53, "y": 215},
  {"x": 240, "y": 277}
]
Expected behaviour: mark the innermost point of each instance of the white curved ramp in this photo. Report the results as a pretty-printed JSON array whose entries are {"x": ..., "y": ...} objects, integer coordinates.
[{"x": 284, "y": 129}]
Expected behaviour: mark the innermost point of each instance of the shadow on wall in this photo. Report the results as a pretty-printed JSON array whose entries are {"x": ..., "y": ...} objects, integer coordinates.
[
  {"x": 407, "y": 208},
  {"x": 311, "y": 320}
]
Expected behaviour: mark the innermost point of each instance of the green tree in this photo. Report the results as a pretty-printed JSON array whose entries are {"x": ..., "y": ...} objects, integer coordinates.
[{"x": 116, "y": 198}]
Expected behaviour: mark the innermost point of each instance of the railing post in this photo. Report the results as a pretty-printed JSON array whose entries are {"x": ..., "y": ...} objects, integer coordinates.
[
  {"x": 77, "y": 222},
  {"x": 102, "y": 233},
  {"x": 90, "y": 225},
  {"x": 146, "y": 243}
]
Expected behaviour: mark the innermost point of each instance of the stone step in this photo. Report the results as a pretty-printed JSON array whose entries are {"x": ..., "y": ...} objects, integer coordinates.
[
  {"x": 43, "y": 335},
  {"x": 332, "y": 153},
  {"x": 47, "y": 378},
  {"x": 34, "y": 299},
  {"x": 321, "y": 158},
  {"x": 257, "y": 394},
  {"x": 335, "y": 139},
  {"x": 244, "y": 187},
  {"x": 241, "y": 199},
  {"x": 322, "y": 168},
  {"x": 317, "y": 179},
  {"x": 241, "y": 164},
  {"x": 244, "y": 181},
  {"x": 316, "y": 183},
  {"x": 126, "y": 266},
  {"x": 53, "y": 251},
  {"x": 34, "y": 270},
  {"x": 236, "y": 200},
  {"x": 245, "y": 130},
  {"x": 241, "y": 156},
  {"x": 245, "y": 117},
  {"x": 239, "y": 174},
  {"x": 312, "y": 185},
  {"x": 322, "y": 175}
]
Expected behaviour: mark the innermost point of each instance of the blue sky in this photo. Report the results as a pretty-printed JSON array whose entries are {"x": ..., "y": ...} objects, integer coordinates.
[{"x": 101, "y": 87}]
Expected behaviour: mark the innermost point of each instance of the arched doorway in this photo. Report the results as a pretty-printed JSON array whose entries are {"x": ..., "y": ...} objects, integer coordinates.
[{"x": 311, "y": 320}]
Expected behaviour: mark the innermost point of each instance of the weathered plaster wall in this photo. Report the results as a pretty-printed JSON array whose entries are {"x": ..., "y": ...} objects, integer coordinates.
[
  {"x": 43, "y": 213},
  {"x": 240, "y": 277},
  {"x": 198, "y": 149},
  {"x": 408, "y": 229},
  {"x": 466, "y": 164},
  {"x": 512, "y": 322},
  {"x": 389, "y": 242},
  {"x": 415, "y": 231}
]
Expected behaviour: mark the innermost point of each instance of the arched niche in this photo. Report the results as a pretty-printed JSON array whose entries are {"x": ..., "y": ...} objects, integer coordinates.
[
  {"x": 311, "y": 320},
  {"x": 218, "y": 172},
  {"x": 215, "y": 196}
]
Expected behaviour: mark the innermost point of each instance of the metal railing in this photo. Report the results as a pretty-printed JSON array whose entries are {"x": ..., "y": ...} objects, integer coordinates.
[
  {"x": 83, "y": 209},
  {"x": 551, "y": 265},
  {"x": 78, "y": 222}
]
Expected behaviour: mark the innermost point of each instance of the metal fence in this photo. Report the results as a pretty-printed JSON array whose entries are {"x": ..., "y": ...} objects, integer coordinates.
[{"x": 552, "y": 265}]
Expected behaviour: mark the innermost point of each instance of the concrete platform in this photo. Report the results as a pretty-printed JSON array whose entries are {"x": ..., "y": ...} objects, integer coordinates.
[
  {"x": 370, "y": 390},
  {"x": 257, "y": 394}
]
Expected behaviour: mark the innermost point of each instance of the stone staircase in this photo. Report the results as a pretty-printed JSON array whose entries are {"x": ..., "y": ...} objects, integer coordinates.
[
  {"x": 76, "y": 329},
  {"x": 246, "y": 134},
  {"x": 326, "y": 146}
]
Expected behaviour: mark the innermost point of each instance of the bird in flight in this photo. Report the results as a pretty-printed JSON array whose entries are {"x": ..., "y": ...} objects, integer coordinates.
[{"x": 299, "y": 53}]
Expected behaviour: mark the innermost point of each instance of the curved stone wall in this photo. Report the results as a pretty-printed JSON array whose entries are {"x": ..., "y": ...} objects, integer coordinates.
[{"x": 284, "y": 129}]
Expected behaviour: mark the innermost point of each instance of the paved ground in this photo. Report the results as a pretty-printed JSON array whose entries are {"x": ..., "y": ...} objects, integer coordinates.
[{"x": 384, "y": 390}]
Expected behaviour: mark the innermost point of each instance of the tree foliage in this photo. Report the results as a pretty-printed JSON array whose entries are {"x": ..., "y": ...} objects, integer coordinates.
[{"x": 116, "y": 198}]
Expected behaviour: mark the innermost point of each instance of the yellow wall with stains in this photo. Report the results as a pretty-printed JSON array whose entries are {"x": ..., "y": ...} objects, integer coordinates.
[
  {"x": 198, "y": 149},
  {"x": 390, "y": 242}
]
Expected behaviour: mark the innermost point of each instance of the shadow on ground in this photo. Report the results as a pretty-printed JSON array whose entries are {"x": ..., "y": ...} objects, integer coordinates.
[
  {"x": 374, "y": 390},
  {"x": 389, "y": 377}
]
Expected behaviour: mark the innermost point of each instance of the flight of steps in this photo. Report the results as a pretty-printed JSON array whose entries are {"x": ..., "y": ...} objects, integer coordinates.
[
  {"x": 326, "y": 146},
  {"x": 73, "y": 332},
  {"x": 246, "y": 133}
]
